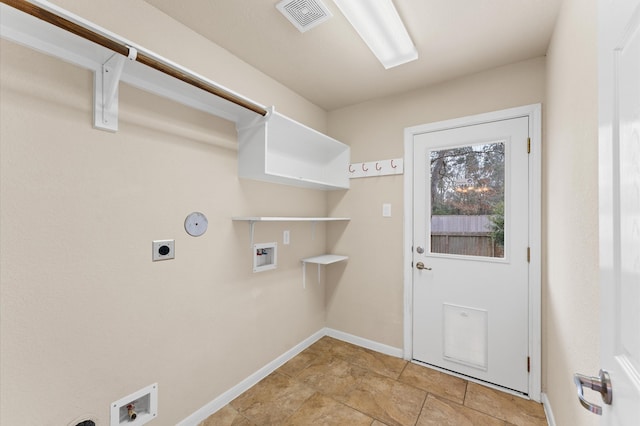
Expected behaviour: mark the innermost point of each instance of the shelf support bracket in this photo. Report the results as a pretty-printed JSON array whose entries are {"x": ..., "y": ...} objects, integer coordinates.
[
  {"x": 106, "y": 82},
  {"x": 255, "y": 121},
  {"x": 304, "y": 274},
  {"x": 252, "y": 226}
]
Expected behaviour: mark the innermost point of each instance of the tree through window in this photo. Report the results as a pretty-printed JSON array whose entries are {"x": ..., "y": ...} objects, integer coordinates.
[{"x": 467, "y": 200}]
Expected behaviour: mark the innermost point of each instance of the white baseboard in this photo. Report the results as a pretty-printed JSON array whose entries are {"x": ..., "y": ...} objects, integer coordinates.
[
  {"x": 215, "y": 405},
  {"x": 365, "y": 343},
  {"x": 547, "y": 409}
]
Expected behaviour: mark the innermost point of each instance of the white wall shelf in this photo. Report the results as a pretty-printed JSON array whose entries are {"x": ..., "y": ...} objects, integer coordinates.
[
  {"x": 280, "y": 150},
  {"x": 253, "y": 219},
  {"x": 325, "y": 259},
  {"x": 271, "y": 148},
  {"x": 288, "y": 219}
]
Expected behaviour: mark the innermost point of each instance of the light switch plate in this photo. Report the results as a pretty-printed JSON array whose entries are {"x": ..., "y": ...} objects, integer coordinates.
[{"x": 386, "y": 210}]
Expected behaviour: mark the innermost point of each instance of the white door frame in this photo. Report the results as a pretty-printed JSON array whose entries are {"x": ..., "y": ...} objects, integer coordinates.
[{"x": 534, "y": 112}]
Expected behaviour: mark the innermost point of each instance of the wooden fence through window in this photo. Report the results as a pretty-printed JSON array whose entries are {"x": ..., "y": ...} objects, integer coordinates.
[{"x": 464, "y": 235}]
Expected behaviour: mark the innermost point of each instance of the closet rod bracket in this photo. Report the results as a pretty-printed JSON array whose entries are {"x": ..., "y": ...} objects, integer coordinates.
[{"x": 106, "y": 82}]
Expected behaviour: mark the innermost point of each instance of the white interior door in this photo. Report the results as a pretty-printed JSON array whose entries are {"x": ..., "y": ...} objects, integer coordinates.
[
  {"x": 470, "y": 254},
  {"x": 619, "y": 172}
]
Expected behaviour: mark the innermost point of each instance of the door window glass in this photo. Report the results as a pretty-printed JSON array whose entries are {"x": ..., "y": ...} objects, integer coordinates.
[{"x": 467, "y": 200}]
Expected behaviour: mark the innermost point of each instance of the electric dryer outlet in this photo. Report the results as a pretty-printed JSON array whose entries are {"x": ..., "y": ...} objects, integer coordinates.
[{"x": 163, "y": 250}]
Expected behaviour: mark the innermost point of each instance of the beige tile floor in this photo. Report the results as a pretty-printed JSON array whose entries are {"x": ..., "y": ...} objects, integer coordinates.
[{"x": 336, "y": 383}]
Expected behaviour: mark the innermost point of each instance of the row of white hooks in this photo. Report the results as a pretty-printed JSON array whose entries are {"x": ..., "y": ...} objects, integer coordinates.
[{"x": 376, "y": 168}]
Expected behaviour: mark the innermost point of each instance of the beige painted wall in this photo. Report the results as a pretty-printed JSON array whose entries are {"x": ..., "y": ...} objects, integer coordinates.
[
  {"x": 365, "y": 297},
  {"x": 571, "y": 291},
  {"x": 85, "y": 316}
]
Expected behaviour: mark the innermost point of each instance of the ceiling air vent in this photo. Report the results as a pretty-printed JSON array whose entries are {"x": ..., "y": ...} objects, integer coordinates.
[{"x": 304, "y": 14}]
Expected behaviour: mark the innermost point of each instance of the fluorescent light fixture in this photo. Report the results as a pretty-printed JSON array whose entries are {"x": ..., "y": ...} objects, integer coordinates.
[{"x": 380, "y": 26}]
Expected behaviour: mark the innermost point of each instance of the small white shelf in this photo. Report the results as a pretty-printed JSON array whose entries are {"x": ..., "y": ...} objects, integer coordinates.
[
  {"x": 325, "y": 259},
  {"x": 253, "y": 219},
  {"x": 288, "y": 219}
]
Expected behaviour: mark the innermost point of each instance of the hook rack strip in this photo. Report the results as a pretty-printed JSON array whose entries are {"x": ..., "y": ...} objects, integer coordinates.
[{"x": 376, "y": 168}]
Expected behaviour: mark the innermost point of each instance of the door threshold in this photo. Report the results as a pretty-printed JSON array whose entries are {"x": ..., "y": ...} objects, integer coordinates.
[{"x": 473, "y": 379}]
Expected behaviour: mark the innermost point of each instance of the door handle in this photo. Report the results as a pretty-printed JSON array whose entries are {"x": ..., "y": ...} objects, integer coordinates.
[
  {"x": 600, "y": 384},
  {"x": 421, "y": 266}
]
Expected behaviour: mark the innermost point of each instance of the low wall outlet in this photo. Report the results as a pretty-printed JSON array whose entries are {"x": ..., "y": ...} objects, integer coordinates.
[
  {"x": 163, "y": 250},
  {"x": 136, "y": 409}
]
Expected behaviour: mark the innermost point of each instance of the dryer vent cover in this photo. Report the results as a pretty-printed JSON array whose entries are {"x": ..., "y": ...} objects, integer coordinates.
[{"x": 304, "y": 14}]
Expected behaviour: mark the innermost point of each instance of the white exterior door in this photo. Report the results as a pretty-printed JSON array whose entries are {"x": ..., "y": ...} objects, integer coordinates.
[
  {"x": 619, "y": 193},
  {"x": 470, "y": 251}
]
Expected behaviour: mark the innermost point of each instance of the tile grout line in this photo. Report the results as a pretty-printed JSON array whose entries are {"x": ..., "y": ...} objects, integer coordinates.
[
  {"x": 505, "y": 421},
  {"x": 370, "y": 371},
  {"x": 302, "y": 404},
  {"x": 402, "y": 371},
  {"x": 332, "y": 397},
  {"x": 424, "y": 402}
]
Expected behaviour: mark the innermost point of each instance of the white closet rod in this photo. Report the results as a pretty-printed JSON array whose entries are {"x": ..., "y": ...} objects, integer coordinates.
[{"x": 122, "y": 48}]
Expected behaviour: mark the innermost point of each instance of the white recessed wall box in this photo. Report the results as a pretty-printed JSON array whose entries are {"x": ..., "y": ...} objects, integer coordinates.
[
  {"x": 265, "y": 256},
  {"x": 136, "y": 409}
]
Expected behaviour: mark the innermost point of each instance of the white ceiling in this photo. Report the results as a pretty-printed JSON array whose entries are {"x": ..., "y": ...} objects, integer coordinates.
[{"x": 332, "y": 67}]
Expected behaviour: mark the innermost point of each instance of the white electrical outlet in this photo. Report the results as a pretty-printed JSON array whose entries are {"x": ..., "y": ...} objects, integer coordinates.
[
  {"x": 285, "y": 237},
  {"x": 386, "y": 210}
]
